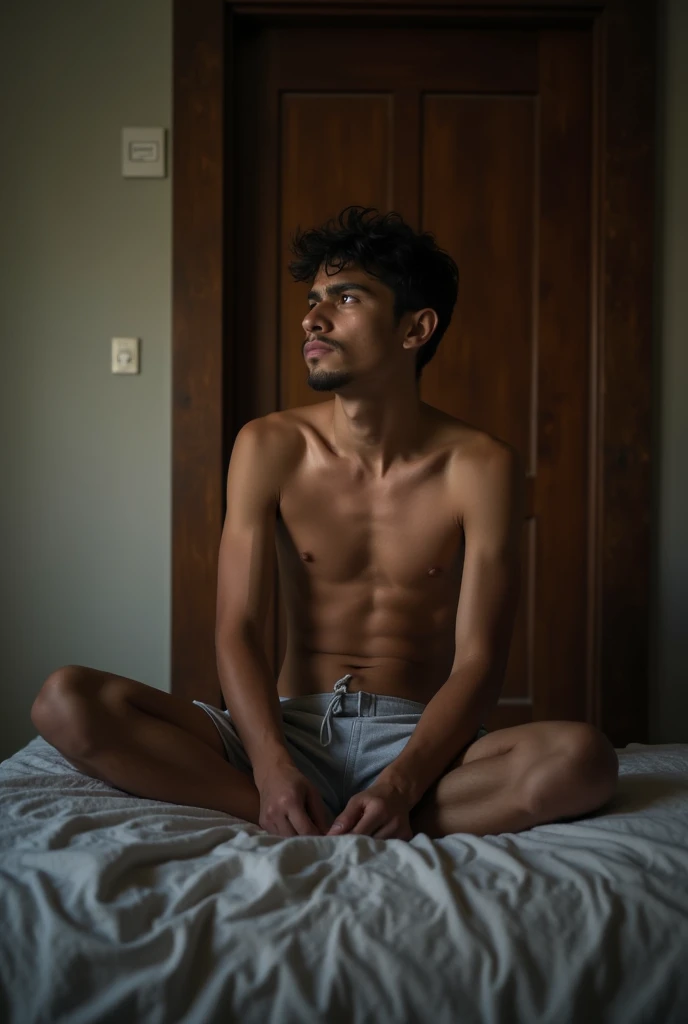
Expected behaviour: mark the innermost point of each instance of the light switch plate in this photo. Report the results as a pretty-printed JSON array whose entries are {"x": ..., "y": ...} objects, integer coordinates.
[
  {"x": 143, "y": 152},
  {"x": 125, "y": 355}
]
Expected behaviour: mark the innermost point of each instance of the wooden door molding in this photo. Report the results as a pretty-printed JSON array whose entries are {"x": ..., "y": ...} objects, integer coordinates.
[{"x": 621, "y": 325}]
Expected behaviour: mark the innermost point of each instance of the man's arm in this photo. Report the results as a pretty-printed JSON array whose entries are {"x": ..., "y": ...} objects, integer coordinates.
[
  {"x": 263, "y": 453},
  {"x": 493, "y": 497}
]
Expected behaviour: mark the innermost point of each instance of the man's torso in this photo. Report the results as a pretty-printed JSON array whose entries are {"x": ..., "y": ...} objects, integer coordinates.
[{"x": 371, "y": 569}]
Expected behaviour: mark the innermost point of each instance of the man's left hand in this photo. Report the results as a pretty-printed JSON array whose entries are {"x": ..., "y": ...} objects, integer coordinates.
[{"x": 380, "y": 811}]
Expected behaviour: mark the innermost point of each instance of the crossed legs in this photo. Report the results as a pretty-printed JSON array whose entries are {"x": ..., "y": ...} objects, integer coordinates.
[{"x": 153, "y": 744}]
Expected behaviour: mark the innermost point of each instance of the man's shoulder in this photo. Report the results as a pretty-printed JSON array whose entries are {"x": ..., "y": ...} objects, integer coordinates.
[
  {"x": 277, "y": 429},
  {"x": 278, "y": 440},
  {"x": 475, "y": 449},
  {"x": 485, "y": 451},
  {"x": 483, "y": 468},
  {"x": 287, "y": 429}
]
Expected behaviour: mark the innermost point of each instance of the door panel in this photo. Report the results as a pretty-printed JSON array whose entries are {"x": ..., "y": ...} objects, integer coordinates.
[
  {"x": 478, "y": 198},
  {"x": 483, "y": 138},
  {"x": 333, "y": 146}
]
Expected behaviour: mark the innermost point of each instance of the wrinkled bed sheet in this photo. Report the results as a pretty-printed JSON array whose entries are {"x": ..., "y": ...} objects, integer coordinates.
[{"x": 119, "y": 909}]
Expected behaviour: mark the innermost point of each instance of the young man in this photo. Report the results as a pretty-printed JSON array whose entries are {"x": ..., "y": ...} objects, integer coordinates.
[{"x": 398, "y": 532}]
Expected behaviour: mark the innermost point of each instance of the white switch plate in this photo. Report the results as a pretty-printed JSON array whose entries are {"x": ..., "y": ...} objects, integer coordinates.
[
  {"x": 143, "y": 152},
  {"x": 125, "y": 355}
]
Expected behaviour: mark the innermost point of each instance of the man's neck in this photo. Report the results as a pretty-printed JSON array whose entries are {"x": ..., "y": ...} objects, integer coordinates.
[{"x": 380, "y": 432}]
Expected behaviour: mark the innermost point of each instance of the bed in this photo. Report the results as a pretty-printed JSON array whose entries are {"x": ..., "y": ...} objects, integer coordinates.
[{"x": 120, "y": 909}]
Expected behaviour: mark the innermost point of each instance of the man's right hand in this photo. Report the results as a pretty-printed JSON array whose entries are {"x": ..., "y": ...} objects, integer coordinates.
[{"x": 290, "y": 805}]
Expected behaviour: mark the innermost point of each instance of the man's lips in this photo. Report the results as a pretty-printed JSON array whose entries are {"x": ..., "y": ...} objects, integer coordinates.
[{"x": 315, "y": 348}]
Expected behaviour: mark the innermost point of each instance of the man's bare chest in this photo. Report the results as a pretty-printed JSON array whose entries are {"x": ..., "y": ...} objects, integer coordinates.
[{"x": 402, "y": 534}]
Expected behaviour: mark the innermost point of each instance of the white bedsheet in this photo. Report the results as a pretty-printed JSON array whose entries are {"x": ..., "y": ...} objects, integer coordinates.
[{"x": 118, "y": 909}]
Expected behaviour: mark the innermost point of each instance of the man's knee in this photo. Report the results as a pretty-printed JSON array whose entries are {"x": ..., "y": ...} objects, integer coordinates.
[
  {"x": 592, "y": 756},
  {"x": 68, "y": 707},
  {"x": 588, "y": 765}
]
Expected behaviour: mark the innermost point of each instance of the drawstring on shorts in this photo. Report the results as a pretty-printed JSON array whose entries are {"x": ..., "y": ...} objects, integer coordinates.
[{"x": 333, "y": 707}]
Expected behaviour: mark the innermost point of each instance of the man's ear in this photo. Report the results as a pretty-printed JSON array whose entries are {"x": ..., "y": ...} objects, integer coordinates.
[{"x": 423, "y": 325}]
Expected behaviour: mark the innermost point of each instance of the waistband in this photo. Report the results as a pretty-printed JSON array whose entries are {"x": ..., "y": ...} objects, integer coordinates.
[
  {"x": 355, "y": 705},
  {"x": 359, "y": 705}
]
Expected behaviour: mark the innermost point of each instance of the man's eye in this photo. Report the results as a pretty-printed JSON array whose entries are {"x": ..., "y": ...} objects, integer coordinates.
[{"x": 346, "y": 296}]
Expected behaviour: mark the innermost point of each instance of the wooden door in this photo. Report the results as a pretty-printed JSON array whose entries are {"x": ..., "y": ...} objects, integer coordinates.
[
  {"x": 484, "y": 138},
  {"x": 582, "y": 641}
]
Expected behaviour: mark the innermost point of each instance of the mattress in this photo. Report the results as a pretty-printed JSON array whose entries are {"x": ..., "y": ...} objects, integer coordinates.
[{"x": 120, "y": 909}]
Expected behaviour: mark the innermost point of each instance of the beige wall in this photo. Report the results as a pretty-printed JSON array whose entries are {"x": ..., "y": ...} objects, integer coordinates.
[
  {"x": 85, "y": 516},
  {"x": 85, "y": 256}
]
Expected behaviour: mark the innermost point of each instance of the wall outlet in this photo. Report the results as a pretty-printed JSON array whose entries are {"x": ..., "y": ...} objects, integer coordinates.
[
  {"x": 125, "y": 355},
  {"x": 143, "y": 152}
]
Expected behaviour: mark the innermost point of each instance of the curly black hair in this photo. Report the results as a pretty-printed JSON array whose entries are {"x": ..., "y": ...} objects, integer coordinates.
[{"x": 420, "y": 274}]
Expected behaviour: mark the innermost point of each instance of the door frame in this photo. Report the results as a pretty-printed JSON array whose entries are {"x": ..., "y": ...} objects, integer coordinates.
[{"x": 618, "y": 551}]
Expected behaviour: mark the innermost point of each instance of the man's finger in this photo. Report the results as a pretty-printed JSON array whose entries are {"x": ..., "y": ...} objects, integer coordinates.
[
  {"x": 302, "y": 823},
  {"x": 318, "y": 812},
  {"x": 371, "y": 820},
  {"x": 388, "y": 831},
  {"x": 346, "y": 819}
]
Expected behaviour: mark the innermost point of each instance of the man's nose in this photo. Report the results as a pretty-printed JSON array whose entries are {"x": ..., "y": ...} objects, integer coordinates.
[{"x": 315, "y": 321}]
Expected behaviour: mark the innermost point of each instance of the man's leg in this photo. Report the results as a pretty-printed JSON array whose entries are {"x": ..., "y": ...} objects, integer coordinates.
[
  {"x": 513, "y": 779},
  {"x": 141, "y": 740}
]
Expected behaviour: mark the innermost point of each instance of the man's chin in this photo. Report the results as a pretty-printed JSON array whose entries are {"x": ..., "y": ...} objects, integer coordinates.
[{"x": 323, "y": 380}]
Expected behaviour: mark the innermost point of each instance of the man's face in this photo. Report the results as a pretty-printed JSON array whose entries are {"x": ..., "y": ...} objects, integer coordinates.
[{"x": 353, "y": 314}]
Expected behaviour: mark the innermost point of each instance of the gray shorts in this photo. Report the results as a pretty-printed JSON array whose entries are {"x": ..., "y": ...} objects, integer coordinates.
[{"x": 340, "y": 741}]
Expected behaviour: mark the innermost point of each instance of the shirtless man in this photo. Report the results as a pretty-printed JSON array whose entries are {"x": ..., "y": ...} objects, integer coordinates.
[{"x": 398, "y": 533}]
